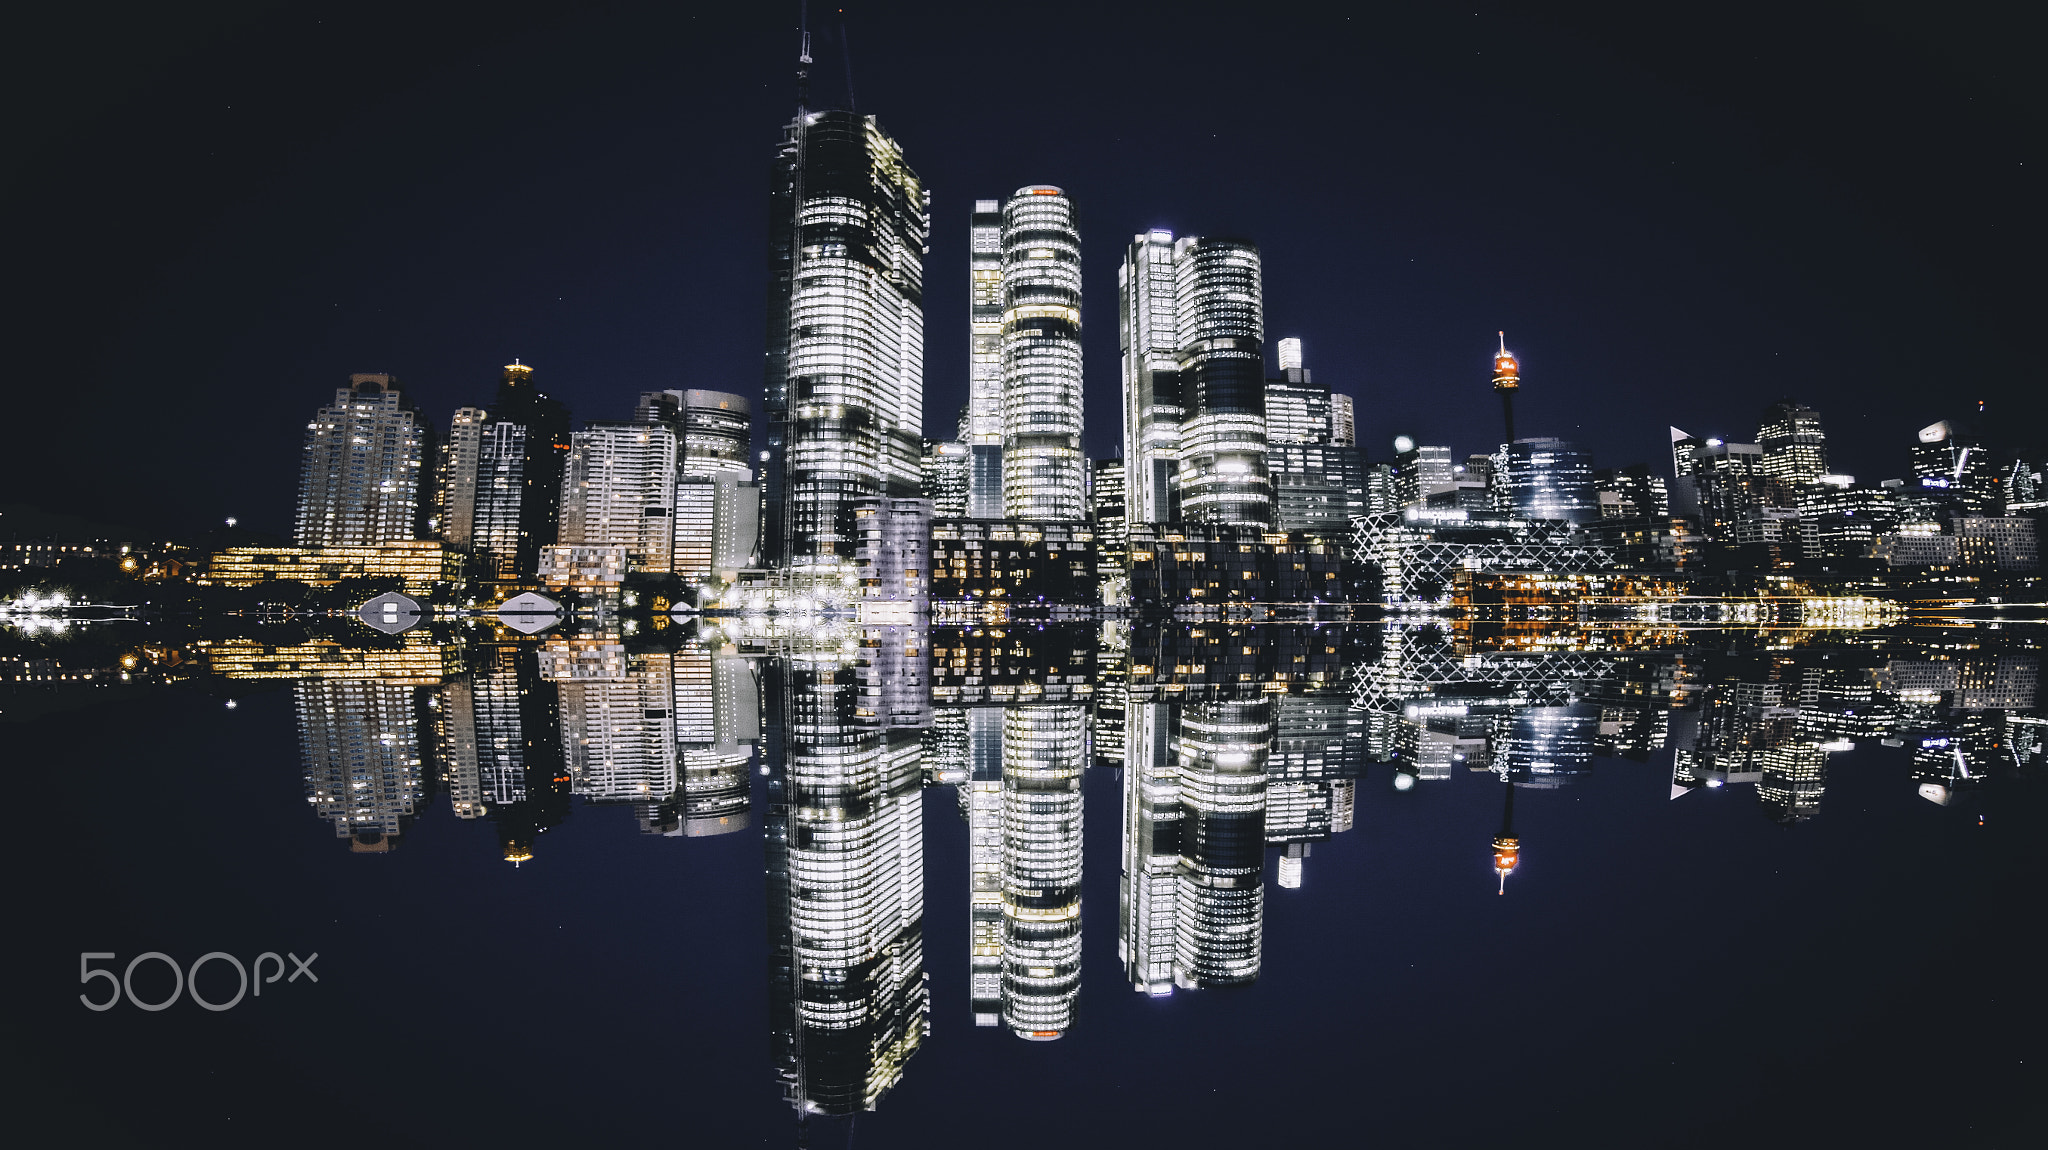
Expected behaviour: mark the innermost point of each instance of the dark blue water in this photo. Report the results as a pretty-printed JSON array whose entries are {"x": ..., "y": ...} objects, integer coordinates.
[{"x": 1660, "y": 971}]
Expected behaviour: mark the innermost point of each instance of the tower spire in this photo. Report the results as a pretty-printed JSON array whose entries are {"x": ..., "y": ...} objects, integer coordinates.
[
  {"x": 1507, "y": 377},
  {"x": 803, "y": 59}
]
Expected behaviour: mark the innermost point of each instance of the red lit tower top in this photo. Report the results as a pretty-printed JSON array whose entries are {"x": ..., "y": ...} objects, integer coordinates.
[{"x": 1507, "y": 370}]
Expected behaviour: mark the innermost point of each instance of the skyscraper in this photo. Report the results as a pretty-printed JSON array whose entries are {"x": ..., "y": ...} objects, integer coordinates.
[
  {"x": 1221, "y": 327},
  {"x": 1546, "y": 479},
  {"x": 717, "y": 505},
  {"x": 619, "y": 490},
  {"x": 360, "y": 742},
  {"x": 359, "y": 475},
  {"x": 1343, "y": 421},
  {"x": 1148, "y": 332},
  {"x": 1794, "y": 445},
  {"x": 1043, "y": 467},
  {"x": 1310, "y": 472},
  {"x": 543, "y": 441},
  {"x": 1220, "y": 893},
  {"x": 1041, "y": 876},
  {"x": 982, "y": 430},
  {"x": 948, "y": 479},
  {"x": 497, "y": 518},
  {"x": 456, "y": 477},
  {"x": 844, "y": 375},
  {"x": 848, "y": 1000}
]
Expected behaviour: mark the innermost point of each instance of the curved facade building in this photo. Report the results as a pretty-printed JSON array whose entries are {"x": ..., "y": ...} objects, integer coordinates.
[
  {"x": 1219, "y": 916},
  {"x": 845, "y": 363},
  {"x": 1043, "y": 465},
  {"x": 1042, "y": 758},
  {"x": 1222, "y": 361}
]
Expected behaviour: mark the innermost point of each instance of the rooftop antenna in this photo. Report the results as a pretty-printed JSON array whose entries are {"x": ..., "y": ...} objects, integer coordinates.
[
  {"x": 846, "y": 55},
  {"x": 803, "y": 60}
]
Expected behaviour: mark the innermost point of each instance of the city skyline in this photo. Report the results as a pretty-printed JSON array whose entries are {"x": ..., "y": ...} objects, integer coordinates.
[{"x": 1770, "y": 317}]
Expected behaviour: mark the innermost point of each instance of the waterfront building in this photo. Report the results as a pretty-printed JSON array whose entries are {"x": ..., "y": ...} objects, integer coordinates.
[
  {"x": 359, "y": 473},
  {"x": 1043, "y": 755},
  {"x": 359, "y": 742},
  {"x": 619, "y": 490},
  {"x": 526, "y": 421},
  {"x": 1044, "y": 470},
  {"x": 1148, "y": 334},
  {"x": 1012, "y": 561},
  {"x": 982, "y": 428},
  {"x": 1219, "y": 905},
  {"x": 844, "y": 372},
  {"x": 456, "y": 474},
  {"x": 1221, "y": 327}
]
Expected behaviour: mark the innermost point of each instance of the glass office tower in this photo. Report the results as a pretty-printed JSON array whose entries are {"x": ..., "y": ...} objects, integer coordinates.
[
  {"x": 1794, "y": 444},
  {"x": 1042, "y": 761},
  {"x": 982, "y": 431},
  {"x": 1148, "y": 333},
  {"x": 1044, "y": 471},
  {"x": 1223, "y": 476},
  {"x": 844, "y": 373}
]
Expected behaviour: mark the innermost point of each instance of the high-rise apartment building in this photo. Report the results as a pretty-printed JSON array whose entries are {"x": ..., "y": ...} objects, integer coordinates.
[
  {"x": 456, "y": 474},
  {"x": 360, "y": 743},
  {"x": 1795, "y": 448},
  {"x": 982, "y": 429},
  {"x": 1044, "y": 471},
  {"x": 1148, "y": 332},
  {"x": 844, "y": 375},
  {"x": 543, "y": 443},
  {"x": 1221, "y": 322},
  {"x": 359, "y": 475},
  {"x": 619, "y": 490},
  {"x": 1106, "y": 495},
  {"x": 497, "y": 516},
  {"x": 717, "y": 505}
]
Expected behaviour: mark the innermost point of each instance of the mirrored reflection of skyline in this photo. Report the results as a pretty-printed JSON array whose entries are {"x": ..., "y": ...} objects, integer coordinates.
[{"x": 1234, "y": 749}]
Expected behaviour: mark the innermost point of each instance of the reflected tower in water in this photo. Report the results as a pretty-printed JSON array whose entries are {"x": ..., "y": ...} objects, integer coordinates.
[
  {"x": 360, "y": 743},
  {"x": 1220, "y": 893},
  {"x": 844, "y": 841},
  {"x": 1043, "y": 750}
]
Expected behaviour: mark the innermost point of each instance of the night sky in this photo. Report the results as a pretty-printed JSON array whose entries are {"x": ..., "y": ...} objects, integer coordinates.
[{"x": 214, "y": 215}]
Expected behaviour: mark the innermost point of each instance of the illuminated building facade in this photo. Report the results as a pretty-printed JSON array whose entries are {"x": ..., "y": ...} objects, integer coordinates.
[
  {"x": 1221, "y": 327},
  {"x": 1012, "y": 561},
  {"x": 1192, "y": 563},
  {"x": 1106, "y": 495},
  {"x": 359, "y": 741},
  {"x": 1343, "y": 420},
  {"x": 456, "y": 473},
  {"x": 1307, "y": 466},
  {"x": 848, "y": 1000},
  {"x": 497, "y": 522},
  {"x": 1150, "y": 848},
  {"x": 619, "y": 490},
  {"x": 1148, "y": 333},
  {"x": 1794, "y": 445},
  {"x": 1044, "y": 471},
  {"x": 359, "y": 474},
  {"x": 845, "y": 365},
  {"x": 947, "y": 478},
  {"x": 1219, "y": 905},
  {"x": 982, "y": 430},
  {"x": 421, "y": 564},
  {"x": 618, "y": 723},
  {"x": 1043, "y": 753},
  {"x": 1546, "y": 479},
  {"x": 540, "y": 433}
]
